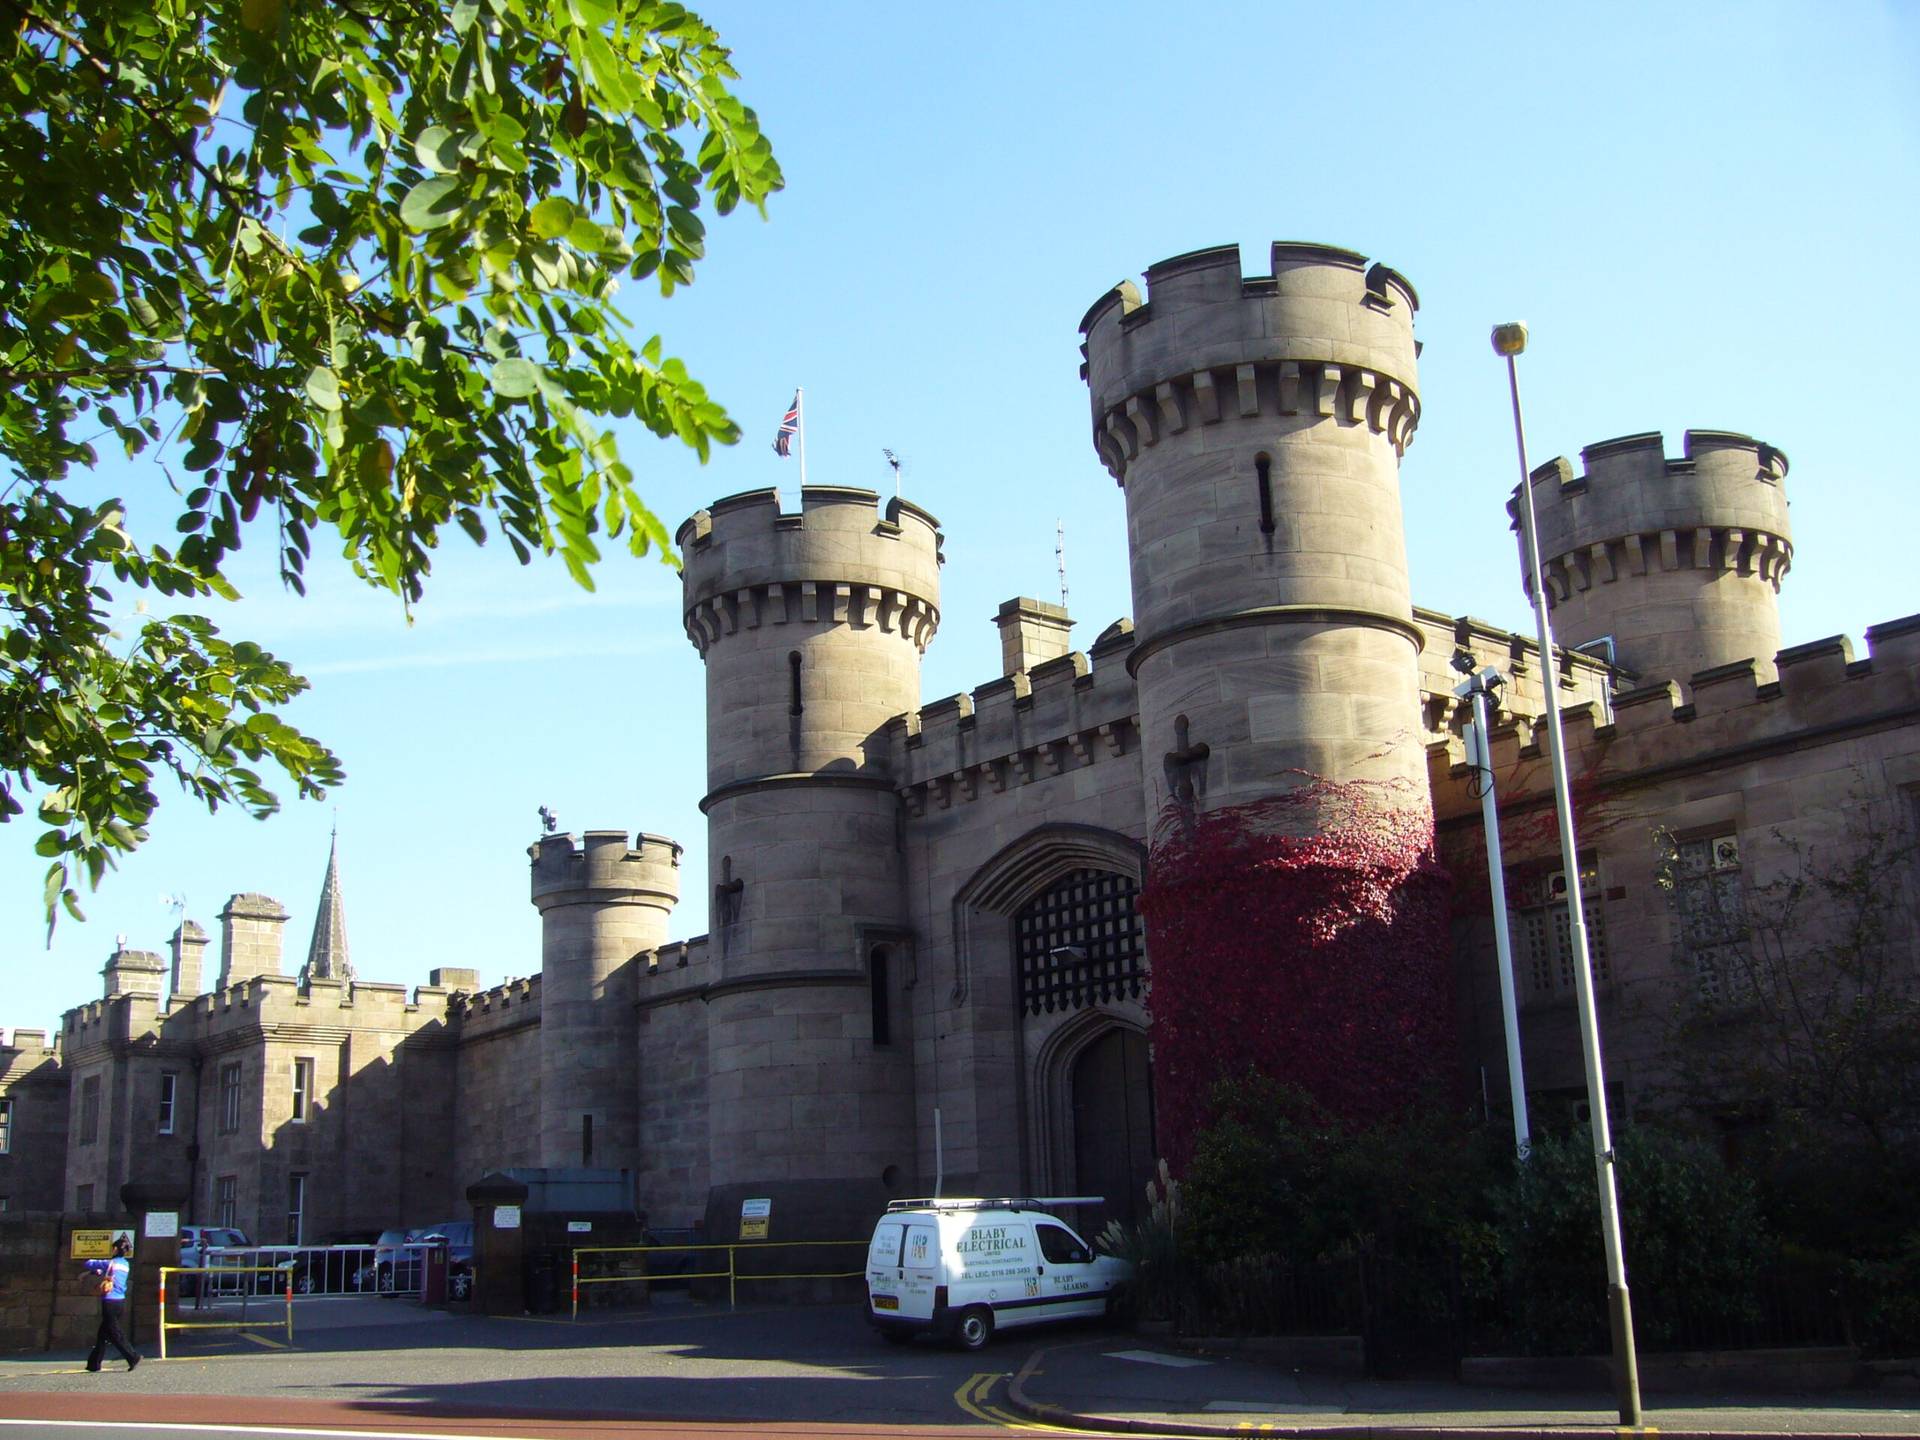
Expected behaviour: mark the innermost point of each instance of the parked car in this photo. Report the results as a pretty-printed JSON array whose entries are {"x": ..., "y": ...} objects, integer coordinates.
[
  {"x": 334, "y": 1269},
  {"x": 457, "y": 1236},
  {"x": 390, "y": 1266},
  {"x": 195, "y": 1243}
]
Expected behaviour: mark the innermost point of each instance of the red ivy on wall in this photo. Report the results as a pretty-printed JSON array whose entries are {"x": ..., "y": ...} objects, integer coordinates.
[{"x": 1321, "y": 959}]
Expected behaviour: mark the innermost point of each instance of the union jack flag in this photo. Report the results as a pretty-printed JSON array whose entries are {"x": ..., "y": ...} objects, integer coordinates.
[{"x": 789, "y": 427}]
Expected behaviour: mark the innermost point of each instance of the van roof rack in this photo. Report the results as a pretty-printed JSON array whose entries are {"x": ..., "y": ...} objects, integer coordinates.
[{"x": 994, "y": 1202}]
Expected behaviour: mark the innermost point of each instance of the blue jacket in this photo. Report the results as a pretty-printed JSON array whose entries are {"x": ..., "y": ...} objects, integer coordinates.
[{"x": 116, "y": 1271}]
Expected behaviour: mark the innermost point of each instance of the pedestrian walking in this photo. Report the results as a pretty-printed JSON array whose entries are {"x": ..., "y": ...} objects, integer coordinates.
[{"x": 114, "y": 1273}]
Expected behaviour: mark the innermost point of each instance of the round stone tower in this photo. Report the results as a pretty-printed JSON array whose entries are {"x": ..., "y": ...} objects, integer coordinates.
[
  {"x": 812, "y": 626},
  {"x": 601, "y": 903},
  {"x": 1677, "y": 562},
  {"x": 1256, "y": 425}
]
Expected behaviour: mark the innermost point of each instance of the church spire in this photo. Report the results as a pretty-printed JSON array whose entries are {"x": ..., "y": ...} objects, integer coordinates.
[{"x": 327, "y": 954}]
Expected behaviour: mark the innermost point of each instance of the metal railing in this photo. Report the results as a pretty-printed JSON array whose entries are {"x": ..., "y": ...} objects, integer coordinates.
[
  {"x": 310, "y": 1269},
  {"x": 732, "y": 1274},
  {"x": 245, "y": 1296}
]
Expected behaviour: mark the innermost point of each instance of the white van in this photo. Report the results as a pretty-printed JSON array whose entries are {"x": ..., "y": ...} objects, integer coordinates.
[{"x": 968, "y": 1267}]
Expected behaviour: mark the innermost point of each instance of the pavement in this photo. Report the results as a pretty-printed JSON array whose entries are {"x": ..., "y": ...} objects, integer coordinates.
[
  {"x": 1128, "y": 1384},
  {"x": 366, "y": 1364}
]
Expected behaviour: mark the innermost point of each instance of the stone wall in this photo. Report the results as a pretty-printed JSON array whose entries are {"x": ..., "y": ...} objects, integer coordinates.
[
  {"x": 673, "y": 1101},
  {"x": 1830, "y": 746},
  {"x": 47, "y": 1301},
  {"x": 33, "y": 1168},
  {"x": 1007, "y": 789},
  {"x": 496, "y": 1086}
]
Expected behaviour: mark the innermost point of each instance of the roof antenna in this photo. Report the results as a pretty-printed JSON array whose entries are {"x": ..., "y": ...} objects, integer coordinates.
[{"x": 897, "y": 463}]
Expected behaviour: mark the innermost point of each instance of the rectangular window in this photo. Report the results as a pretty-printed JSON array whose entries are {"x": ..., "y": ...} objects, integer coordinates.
[
  {"x": 296, "y": 1208},
  {"x": 1542, "y": 932},
  {"x": 83, "y": 1202},
  {"x": 89, "y": 1109},
  {"x": 169, "y": 1093},
  {"x": 1712, "y": 914},
  {"x": 229, "y": 1098},
  {"x": 226, "y": 1200},
  {"x": 6, "y": 1127},
  {"x": 6, "y": 1204},
  {"x": 302, "y": 1090}
]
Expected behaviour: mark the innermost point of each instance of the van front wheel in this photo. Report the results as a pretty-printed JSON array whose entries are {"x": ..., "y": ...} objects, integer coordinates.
[{"x": 976, "y": 1327}]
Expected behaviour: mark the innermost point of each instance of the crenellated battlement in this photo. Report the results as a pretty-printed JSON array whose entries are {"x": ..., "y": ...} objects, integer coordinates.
[
  {"x": 1632, "y": 510},
  {"x": 842, "y": 560},
  {"x": 1670, "y": 565},
  {"x": 1322, "y": 335},
  {"x": 603, "y": 866},
  {"x": 1060, "y": 716},
  {"x": 672, "y": 969},
  {"x": 1735, "y": 710},
  {"x": 511, "y": 1005},
  {"x": 1584, "y": 679}
]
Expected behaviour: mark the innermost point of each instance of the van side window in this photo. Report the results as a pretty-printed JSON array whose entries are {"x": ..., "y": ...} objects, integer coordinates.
[
  {"x": 886, "y": 1245},
  {"x": 1060, "y": 1246}
]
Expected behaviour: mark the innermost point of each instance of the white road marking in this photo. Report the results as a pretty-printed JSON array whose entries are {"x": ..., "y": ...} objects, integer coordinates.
[{"x": 1157, "y": 1357}]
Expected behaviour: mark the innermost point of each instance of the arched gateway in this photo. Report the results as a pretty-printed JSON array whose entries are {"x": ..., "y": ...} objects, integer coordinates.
[{"x": 1055, "y": 914}]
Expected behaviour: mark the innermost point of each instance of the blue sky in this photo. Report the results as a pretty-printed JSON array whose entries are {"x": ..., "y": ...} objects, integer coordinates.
[{"x": 1706, "y": 214}]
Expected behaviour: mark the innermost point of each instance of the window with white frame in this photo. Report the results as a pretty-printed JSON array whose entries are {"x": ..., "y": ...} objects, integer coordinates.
[
  {"x": 226, "y": 1200},
  {"x": 169, "y": 1096},
  {"x": 230, "y": 1098},
  {"x": 296, "y": 1208},
  {"x": 6, "y": 1127},
  {"x": 1542, "y": 929},
  {"x": 302, "y": 1089},
  {"x": 1711, "y": 910}
]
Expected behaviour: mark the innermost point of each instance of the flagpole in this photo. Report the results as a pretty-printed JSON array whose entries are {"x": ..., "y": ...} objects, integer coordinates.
[{"x": 800, "y": 407}]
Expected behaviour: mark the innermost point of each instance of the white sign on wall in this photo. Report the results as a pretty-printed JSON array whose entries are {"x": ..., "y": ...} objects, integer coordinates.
[
  {"x": 506, "y": 1217},
  {"x": 162, "y": 1224}
]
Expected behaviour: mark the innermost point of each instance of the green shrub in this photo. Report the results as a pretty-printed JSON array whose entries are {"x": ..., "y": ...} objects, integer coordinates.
[{"x": 1694, "y": 1242}]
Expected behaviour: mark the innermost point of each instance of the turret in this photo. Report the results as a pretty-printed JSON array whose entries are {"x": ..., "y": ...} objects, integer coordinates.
[
  {"x": 1669, "y": 567},
  {"x": 1256, "y": 425},
  {"x": 601, "y": 903},
  {"x": 812, "y": 626}
]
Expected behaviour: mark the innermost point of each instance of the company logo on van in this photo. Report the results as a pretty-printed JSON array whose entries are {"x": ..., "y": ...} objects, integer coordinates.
[{"x": 990, "y": 1241}]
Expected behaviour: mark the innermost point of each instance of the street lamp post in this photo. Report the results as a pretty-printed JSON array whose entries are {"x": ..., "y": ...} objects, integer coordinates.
[
  {"x": 1480, "y": 756},
  {"x": 1509, "y": 341}
]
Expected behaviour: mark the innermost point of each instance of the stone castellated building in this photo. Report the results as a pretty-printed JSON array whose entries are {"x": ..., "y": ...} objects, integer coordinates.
[{"x": 923, "y": 953}]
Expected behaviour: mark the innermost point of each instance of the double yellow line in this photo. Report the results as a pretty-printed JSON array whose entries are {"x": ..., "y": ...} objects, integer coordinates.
[{"x": 972, "y": 1398}]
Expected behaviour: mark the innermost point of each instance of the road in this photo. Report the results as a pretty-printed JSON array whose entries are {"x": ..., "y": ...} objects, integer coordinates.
[{"x": 361, "y": 1365}]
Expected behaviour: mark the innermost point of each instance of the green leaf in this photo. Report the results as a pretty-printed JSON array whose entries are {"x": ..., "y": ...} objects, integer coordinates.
[
  {"x": 323, "y": 388},
  {"x": 553, "y": 217},
  {"x": 438, "y": 149},
  {"x": 515, "y": 379},
  {"x": 432, "y": 204}
]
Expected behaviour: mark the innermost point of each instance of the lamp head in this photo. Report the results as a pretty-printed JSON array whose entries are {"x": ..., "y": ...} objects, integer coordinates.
[{"x": 1510, "y": 339}]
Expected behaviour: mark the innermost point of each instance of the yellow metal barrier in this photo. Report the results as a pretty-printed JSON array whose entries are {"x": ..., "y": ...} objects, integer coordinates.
[
  {"x": 241, "y": 1324},
  {"x": 731, "y": 1274}
]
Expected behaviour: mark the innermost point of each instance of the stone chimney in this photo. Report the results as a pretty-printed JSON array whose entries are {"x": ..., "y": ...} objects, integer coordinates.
[
  {"x": 1031, "y": 632},
  {"x": 134, "y": 972},
  {"x": 250, "y": 929},
  {"x": 189, "y": 947},
  {"x": 454, "y": 977}
]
